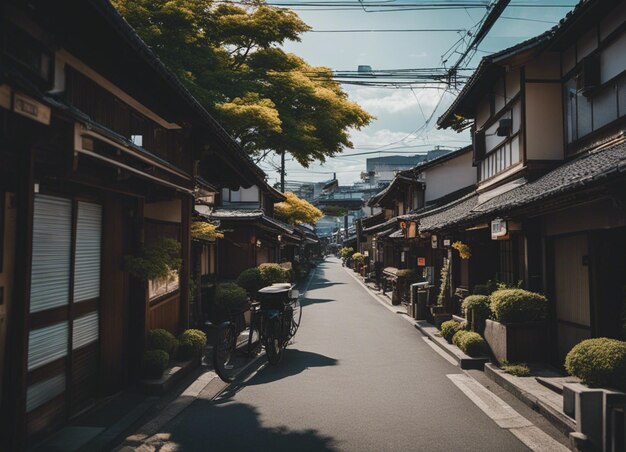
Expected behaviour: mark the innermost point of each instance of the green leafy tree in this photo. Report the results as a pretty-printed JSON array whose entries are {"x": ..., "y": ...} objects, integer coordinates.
[
  {"x": 296, "y": 211},
  {"x": 229, "y": 57}
]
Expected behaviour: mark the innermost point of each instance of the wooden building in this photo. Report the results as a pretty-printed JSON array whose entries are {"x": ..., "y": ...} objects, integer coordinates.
[
  {"x": 413, "y": 194},
  {"x": 99, "y": 145},
  {"x": 547, "y": 117},
  {"x": 252, "y": 236}
]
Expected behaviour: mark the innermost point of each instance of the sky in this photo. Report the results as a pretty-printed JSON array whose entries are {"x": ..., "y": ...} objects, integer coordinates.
[{"x": 401, "y": 123}]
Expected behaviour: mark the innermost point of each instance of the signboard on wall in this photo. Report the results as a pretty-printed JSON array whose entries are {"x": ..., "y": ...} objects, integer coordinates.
[
  {"x": 421, "y": 262},
  {"x": 498, "y": 229},
  {"x": 433, "y": 241}
]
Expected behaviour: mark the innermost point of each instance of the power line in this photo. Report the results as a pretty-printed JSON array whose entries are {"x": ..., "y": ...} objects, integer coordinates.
[{"x": 399, "y": 30}]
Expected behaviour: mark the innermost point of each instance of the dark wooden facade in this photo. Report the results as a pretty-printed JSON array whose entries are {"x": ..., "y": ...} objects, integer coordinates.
[{"x": 98, "y": 147}]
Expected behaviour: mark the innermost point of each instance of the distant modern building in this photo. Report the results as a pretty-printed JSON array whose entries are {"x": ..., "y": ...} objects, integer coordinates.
[{"x": 383, "y": 169}]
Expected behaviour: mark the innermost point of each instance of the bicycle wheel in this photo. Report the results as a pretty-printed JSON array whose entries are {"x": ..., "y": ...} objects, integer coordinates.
[
  {"x": 254, "y": 336},
  {"x": 273, "y": 341},
  {"x": 296, "y": 316},
  {"x": 224, "y": 352}
]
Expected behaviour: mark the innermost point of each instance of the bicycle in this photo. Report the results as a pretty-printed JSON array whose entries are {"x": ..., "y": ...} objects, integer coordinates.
[{"x": 274, "y": 320}]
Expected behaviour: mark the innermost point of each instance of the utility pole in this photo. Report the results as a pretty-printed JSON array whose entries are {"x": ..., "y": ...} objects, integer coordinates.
[{"x": 282, "y": 172}]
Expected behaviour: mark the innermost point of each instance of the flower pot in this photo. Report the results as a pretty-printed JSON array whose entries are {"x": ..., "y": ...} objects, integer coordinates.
[{"x": 517, "y": 342}]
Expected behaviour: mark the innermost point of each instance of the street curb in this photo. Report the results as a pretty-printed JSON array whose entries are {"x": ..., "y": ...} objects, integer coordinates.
[
  {"x": 464, "y": 361},
  {"x": 563, "y": 423}
]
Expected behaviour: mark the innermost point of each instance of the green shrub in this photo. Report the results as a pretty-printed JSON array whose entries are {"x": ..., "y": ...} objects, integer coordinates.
[
  {"x": 458, "y": 337},
  {"x": 517, "y": 370},
  {"x": 161, "y": 339},
  {"x": 599, "y": 362},
  {"x": 155, "y": 261},
  {"x": 477, "y": 310},
  {"x": 449, "y": 328},
  {"x": 251, "y": 280},
  {"x": 229, "y": 296},
  {"x": 518, "y": 305},
  {"x": 472, "y": 344},
  {"x": 273, "y": 273},
  {"x": 358, "y": 258},
  {"x": 410, "y": 276},
  {"x": 154, "y": 363},
  {"x": 190, "y": 344},
  {"x": 345, "y": 253}
]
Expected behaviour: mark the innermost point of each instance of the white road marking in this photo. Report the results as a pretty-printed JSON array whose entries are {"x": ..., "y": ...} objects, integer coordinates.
[
  {"x": 505, "y": 416},
  {"x": 440, "y": 352}
]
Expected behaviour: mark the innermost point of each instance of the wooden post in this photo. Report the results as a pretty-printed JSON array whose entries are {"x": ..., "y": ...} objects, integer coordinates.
[
  {"x": 14, "y": 381},
  {"x": 185, "y": 273}
]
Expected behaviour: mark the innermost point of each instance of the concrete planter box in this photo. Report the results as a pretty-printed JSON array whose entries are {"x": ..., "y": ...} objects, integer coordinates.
[{"x": 517, "y": 342}]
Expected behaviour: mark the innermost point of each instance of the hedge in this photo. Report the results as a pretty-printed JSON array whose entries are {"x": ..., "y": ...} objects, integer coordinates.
[
  {"x": 161, "y": 339},
  {"x": 599, "y": 362},
  {"x": 190, "y": 344},
  {"x": 251, "y": 280},
  {"x": 477, "y": 310},
  {"x": 458, "y": 337},
  {"x": 229, "y": 296},
  {"x": 449, "y": 328},
  {"x": 273, "y": 273},
  {"x": 154, "y": 363},
  {"x": 472, "y": 344},
  {"x": 517, "y": 305}
]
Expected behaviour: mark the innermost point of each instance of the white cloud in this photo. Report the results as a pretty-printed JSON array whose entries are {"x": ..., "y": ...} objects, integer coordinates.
[{"x": 384, "y": 101}]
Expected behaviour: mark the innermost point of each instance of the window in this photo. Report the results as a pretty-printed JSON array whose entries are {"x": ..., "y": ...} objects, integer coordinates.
[
  {"x": 585, "y": 114},
  {"x": 159, "y": 287},
  {"x": 500, "y": 160},
  {"x": 29, "y": 52}
]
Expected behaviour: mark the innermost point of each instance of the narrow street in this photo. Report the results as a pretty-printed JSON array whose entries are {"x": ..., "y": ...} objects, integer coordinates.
[{"x": 357, "y": 377}]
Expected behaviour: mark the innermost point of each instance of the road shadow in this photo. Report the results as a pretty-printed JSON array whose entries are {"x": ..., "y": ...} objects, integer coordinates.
[
  {"x": 234, "y": 426},
  {"x": 322, "y": 285},
  {"x": 310, "y": 301},
  {"x": 294, "y": 362}
]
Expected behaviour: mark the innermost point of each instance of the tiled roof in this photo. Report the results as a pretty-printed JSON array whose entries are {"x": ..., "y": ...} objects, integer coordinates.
[
  {"x": 247, "y": 215},
  {"x": 594, "y": 167},
  {"x": 386, "y": 232},
  {"x": 449, "y": 214},
  {"x": 380, "y": 226}
]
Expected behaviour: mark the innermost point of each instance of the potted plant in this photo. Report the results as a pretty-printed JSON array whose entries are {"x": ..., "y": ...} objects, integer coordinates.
[
  {"x": 517, "y": 330},
  {"x": 251, "y": 280},
  {"x": 358, "y": 259}
]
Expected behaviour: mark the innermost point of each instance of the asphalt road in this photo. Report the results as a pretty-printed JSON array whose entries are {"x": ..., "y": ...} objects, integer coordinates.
[{"x": 356, "y": 378}]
